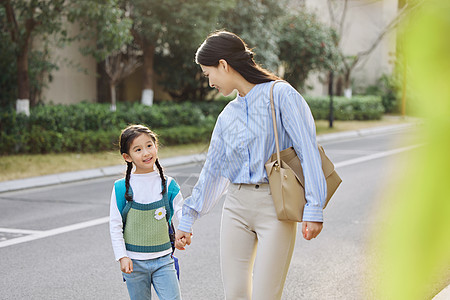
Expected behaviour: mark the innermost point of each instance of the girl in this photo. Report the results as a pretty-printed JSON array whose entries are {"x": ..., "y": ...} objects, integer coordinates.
[
  {"x": 142, "y": 205},
  {"x": 255, "y": 247}
]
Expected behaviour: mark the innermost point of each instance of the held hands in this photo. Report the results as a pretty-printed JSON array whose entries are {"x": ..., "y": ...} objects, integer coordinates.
[
  {"x": 182, "y": 239},
  {"x": 126, "y": 265},
  {"x": 311, "y": 230}
]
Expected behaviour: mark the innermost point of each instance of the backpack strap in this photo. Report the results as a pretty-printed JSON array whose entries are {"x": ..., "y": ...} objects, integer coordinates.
[
  {"x": 122, "y": 204},
  {"x": 169, "y": 207},
  {"x": 167, "y": 203},
  {"x": 172, "y": 192}
]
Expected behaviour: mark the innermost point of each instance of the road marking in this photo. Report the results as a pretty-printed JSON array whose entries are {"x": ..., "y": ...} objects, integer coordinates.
[
  {"x": 35, "y": 235},
  {"x": 21, "y": 231},
  {"x": 374, "y": 156},
  {"x": 52, "y": 232},
  {"x": 352, "y": 152}
]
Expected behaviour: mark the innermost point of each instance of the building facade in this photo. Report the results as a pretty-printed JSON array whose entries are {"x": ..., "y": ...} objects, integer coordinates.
[{"x": 364, "y": 21}]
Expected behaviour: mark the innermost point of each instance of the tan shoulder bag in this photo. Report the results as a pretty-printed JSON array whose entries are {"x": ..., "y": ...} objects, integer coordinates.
[{"x": 286, "y": 181}]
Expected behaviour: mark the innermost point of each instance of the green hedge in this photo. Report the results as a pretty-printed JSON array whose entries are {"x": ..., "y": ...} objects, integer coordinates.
[
  {"x": 356, "y": 108},
  {"x": 92, "y": 127}
]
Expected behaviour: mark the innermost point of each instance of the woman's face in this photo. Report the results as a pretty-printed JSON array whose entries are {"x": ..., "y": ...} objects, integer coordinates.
[{"x": 219, "y": 77}]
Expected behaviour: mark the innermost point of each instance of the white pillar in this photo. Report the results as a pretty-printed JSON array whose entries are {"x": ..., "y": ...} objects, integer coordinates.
[
  {"x": 147, "y": 97},
  {"x": 348, "y": 93},
  {"x": 23, "y": 106}
]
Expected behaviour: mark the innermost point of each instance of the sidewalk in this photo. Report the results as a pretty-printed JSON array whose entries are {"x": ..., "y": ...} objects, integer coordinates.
[{"x": 19, "y": 184}]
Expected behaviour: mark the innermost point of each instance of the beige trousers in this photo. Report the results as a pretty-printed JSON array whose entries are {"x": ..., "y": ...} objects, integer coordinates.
[{"x": 255, "y": 248}]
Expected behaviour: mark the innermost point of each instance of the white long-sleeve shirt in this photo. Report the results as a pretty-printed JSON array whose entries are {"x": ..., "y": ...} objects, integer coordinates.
[{"x": 146, "y": 189}]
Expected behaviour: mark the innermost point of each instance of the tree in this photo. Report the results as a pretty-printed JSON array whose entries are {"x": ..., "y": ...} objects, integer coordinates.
[
  {"x": 171, "y": 30},
  {"x": 259, "y": 31},
  {"x": 40, "y": 67},
  {"x": 28, "y": 19},
  {"x": 8, "y": 83},
  {"x": 24, "y": 20},
  {"x": 258, "y": 24},
  {"x": 263, "y": 32},
  {"x": 306, "y": 45},
  {"x": 349, "y": 62},
  {"x": 183, "y": 79},
  {"x": 113, "y": 38},
  {"x": 104, "y": 22},
  {"x": 118, "y": 66}
]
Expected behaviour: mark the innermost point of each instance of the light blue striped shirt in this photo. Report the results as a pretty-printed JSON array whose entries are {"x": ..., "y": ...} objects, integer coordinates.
[{"x": 243, "y": 140}]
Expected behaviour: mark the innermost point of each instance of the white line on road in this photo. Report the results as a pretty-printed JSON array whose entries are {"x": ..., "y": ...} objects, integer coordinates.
[
  {"x": 21, "y": 231},
  {"x": 34, "y": 235},
  {"x": 52, "y": 232},
  {"x": 373, "y": 156}
]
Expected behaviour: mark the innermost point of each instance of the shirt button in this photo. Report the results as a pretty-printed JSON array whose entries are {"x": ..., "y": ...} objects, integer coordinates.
[{"x": 257, "y": 186}]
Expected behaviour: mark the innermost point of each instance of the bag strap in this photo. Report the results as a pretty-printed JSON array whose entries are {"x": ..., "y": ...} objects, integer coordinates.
[{"x": 274, "y": 121}]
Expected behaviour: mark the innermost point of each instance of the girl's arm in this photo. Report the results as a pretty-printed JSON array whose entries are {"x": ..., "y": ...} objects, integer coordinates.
[
  {"x": 116, "y": 229},
  {"x": 126, "y": 265},
  {"x": 299, "y": 124}
]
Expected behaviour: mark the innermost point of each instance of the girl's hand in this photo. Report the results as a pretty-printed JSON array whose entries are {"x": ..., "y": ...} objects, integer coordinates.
[
  {"x": 182, "y": 239},
  {"x": 311, "y": 230},
  {"x": 126, "y": 265}
]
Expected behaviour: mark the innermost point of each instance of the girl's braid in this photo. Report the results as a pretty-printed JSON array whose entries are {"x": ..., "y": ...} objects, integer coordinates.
[
  {"x": 128, "y": 196},
  {"x": 161, "y": 174}
]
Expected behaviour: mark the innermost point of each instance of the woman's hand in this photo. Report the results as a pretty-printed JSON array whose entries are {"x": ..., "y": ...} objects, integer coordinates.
[
  {"x": 182, "y": 239},
  {"x": 311, "y": 230},
  {"x": 126, "y": 265}
]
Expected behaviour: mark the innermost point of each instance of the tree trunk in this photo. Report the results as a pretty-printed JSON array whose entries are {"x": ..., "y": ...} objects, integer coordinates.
[
  {"x": 347, "y": 84},
  {"x": 112, "y": 87},
  {"x": 23, "y": 80},
  {"x": 147, "y": 88},
  {"x": 339, "y": 86}
]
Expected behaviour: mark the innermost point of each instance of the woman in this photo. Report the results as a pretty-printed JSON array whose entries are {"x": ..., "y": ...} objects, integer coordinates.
[{"x": 256, "y": 248}]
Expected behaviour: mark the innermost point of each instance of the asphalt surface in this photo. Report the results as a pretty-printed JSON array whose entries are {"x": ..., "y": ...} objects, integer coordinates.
[{"x": 54, "y": 239}]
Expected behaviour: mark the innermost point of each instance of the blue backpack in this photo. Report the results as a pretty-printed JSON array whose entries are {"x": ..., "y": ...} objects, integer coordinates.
[{"x": 124, "y": 206}]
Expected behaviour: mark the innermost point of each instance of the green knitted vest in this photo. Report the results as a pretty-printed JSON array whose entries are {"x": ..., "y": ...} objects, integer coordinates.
[{"x": 146, "y": 229}]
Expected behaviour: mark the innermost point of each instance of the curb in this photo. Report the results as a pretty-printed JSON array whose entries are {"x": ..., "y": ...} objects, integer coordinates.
[
  {"x": 40, "y": 181},
  {"x": 66, "y": 177}
]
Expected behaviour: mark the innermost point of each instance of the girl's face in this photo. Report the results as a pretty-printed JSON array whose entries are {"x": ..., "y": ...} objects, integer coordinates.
[
  {"x": 219, "y": 77},
  {"x": 142, "y": 153}
]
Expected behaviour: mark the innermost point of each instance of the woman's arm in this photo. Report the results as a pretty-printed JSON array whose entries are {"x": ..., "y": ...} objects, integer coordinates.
[
  {"x": 299, "y": 124},
  {"x": 210, "y": 186}
]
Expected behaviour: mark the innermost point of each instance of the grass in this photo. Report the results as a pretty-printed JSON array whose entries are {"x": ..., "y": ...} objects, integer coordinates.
[{"x": 30, "y": 165}]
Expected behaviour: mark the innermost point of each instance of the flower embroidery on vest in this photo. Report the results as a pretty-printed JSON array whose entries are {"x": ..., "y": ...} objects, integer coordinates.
[{"x": 160, "y": 213}]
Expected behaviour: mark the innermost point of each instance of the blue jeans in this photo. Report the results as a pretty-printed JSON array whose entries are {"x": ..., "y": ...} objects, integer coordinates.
[{"x": 160, "y": 272}]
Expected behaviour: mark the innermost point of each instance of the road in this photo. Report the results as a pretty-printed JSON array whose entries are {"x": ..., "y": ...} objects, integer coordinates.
[{"x": 54, "y": 241}]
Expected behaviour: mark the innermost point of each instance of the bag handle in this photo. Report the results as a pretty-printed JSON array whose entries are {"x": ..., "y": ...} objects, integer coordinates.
[{"x": 274, "y": 121}]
